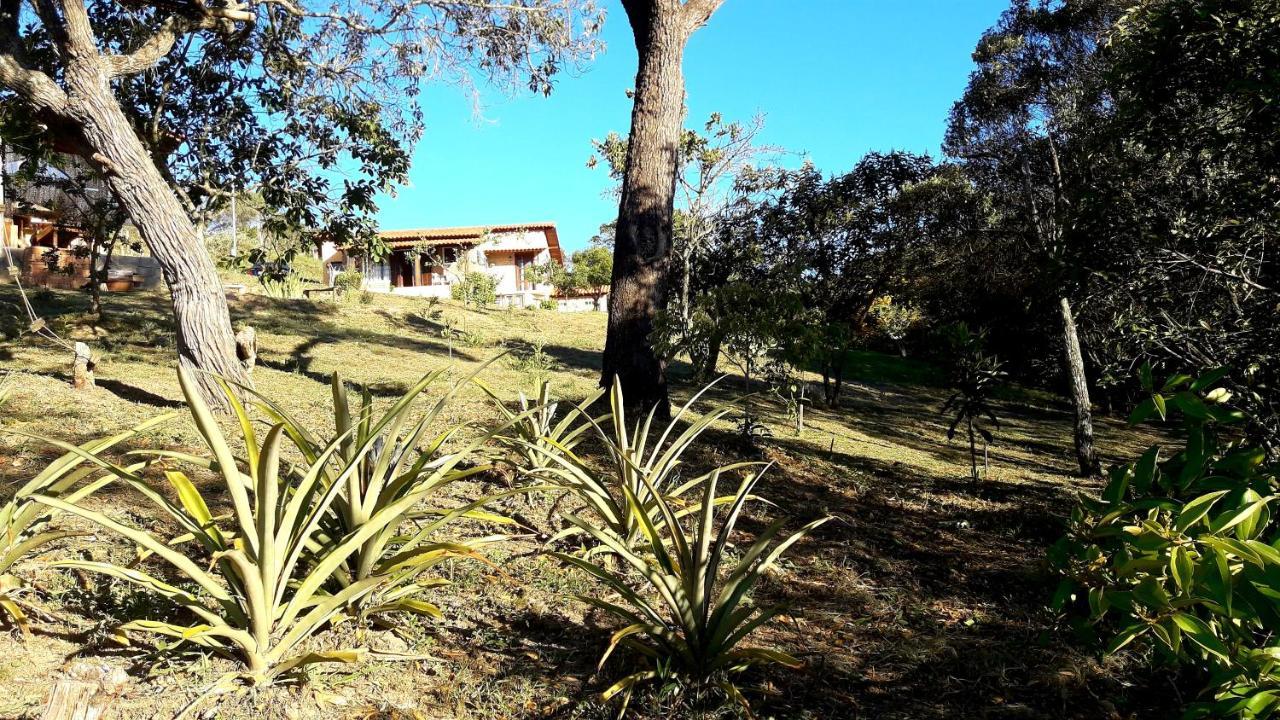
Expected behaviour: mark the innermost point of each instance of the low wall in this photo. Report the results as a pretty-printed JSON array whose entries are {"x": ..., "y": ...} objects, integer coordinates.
[{"x": 69, "y": 272}]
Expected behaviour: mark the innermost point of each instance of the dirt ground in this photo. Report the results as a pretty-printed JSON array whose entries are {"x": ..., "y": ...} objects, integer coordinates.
[{"x": 926, "y": 598}]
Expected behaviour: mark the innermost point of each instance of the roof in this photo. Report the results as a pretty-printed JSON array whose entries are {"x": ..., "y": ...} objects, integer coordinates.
[{"x": 471, "y": 234}]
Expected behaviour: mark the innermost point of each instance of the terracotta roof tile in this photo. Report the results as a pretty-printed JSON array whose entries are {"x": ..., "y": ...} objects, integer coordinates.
[{"x": 469, "y": 233}]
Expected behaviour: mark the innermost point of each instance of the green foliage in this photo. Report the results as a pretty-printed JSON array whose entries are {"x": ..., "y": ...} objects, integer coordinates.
[
  {"x": 1180, "y": 552},
  {"x": 894, "y": 318},
  {"x": 348, "y": 283},
  {"x": 590, "y": 272},
  {"x": 548, "y": 304},
  {"x": 379, "y": 480},
  {"x": 974, "y": 376},
  {"x": 534, "y": 433},
  {"x": 683, "y": 601},
  {"x": 535, "y": 363},
  {"x": 256, "y": 579},
  {"x": 477, "y": 289},
  {"x": 638, "y": 465},
  {"x": 24, "y": 521}
]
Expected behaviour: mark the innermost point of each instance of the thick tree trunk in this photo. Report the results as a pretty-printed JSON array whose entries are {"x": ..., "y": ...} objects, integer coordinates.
[
  {"x": 1086, "y": 456},
  {"x": 202, "y": 321},
  {"x": 642, "y": 248}
]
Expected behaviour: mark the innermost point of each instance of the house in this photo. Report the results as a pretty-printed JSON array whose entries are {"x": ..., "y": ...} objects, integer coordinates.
[
  {"x": 427, "y": 262},
  {"x": 43, "y": 221}
]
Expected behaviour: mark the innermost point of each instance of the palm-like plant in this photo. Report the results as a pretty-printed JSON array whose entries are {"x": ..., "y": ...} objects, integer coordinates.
[
  {"x": 976, "y": 374},
  {"x": 393, "y": 469},
  {"x": 646, "y": 468},
  {"x": 258, "y": 588},
  {"x": 684, "y": 602},
  {"x": 534, "y": 433},
  {"x": 24, "y": 521}
]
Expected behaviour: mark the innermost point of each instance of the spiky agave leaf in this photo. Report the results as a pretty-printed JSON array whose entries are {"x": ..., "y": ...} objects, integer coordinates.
[
  {"x": 259, "y": 583},
  {"x": 23, "y": 520},
  {"x": 689, "y": 613}
]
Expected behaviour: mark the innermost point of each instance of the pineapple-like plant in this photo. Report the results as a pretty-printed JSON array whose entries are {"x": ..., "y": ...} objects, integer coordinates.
[
  {"x": 393, "y": 469},
  {"x": 680, "y": 596},
  {"x": 257, "y": 582},
  {"x": 534, "y": 433},
  {"x": 640, "y": 462},
  {"x": 24, "y": 522}
]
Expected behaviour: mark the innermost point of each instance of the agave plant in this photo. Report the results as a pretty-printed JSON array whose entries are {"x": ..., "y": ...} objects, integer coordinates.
[
  {"x": 24, "y": 521},
  {"x": 257, "y": 586},
  {"x": 380, "y": 477},
  {"x": 534, "y": 433},
  {"x": 640, "y": 466},
  {"x": 683, "y": 601}
]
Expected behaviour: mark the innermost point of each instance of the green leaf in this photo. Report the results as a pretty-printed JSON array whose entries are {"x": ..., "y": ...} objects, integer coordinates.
[
  {"x": 1209, "y": 379},
  {"x": 1202, "y": 635},
  {"x": 1196, "y": 509},
  {"x": 1125, "y": 637}
]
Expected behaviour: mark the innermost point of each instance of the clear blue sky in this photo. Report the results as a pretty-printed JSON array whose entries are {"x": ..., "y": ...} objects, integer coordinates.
[{"x": 835, "y": 78}]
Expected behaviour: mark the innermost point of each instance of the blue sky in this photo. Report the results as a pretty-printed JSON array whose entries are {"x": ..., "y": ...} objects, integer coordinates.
[{"x": 835, "y": 79}]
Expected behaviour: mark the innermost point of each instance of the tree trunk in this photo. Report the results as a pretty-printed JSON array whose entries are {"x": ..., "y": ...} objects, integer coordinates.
[
  {"x": 85, "y": 692},
  {"x": 1086, "y": 456},
  {"x": 686, "y": 312},
  {"x": 708, "y": 365},
  {"x": 642, "y": 248},
  {"x": 202, "y": 321}
]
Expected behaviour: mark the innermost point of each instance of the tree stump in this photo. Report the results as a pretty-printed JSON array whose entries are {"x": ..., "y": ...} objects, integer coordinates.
[
  {"x": 84, "y": 692},
  {"x": 82, "y": 370},
  {"x": 247, "y": 347}
]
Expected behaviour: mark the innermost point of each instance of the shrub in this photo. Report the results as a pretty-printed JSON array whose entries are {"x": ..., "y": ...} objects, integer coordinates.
[
  {"x": 535, "y": 363},
  {"x": 548, "y": 304},
  {"x": 383, "y": 478},
  {"x": 255, "y": 583},
  {"x": 24, "y": 521},
  {"x": 476, "y": 289},
  {"x": 974, "y": 376},
  {"x": 683, "y": 602},
  {"x": 534, "y": 434},
  {"x": 347, "y": 283},
  {"x": 639, "y": 467},
  {"x": 1180, "y": 553},
  {"x": 367, "y": 298}
]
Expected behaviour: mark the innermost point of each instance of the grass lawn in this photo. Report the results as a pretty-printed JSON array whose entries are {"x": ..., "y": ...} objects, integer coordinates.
[{"x": 925, "y": 599}]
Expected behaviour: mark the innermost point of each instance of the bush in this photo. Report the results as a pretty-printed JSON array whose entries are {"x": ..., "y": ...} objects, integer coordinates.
[
  {"x": 1180, "y": 553},
  {"x": 549, "y": 304},
  {"x": 348, "y": 282},
  {"x": 677, "y": 584},
  {"x": 261, "y": 580},
  {"x": 476, "y": 289}
]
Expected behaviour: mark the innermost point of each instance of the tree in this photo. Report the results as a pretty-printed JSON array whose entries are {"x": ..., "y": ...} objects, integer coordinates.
[
  {"x": 1185, "y": 203},
  {"x": 589, "y": 272},
  {"x": 1017, "y": 129},
  {"x": 718, "y": 167},
  {"x": 310, "y": 86},
  {"x": 642, "y": 248},
  {"x": 843, "y": 242}
]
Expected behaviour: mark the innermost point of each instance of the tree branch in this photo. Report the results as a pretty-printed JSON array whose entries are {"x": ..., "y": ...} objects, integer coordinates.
[
  {"x": 31, "y": 85},
  {"x": 698, "y": 12},
  {"x": 152, "y": 50}
]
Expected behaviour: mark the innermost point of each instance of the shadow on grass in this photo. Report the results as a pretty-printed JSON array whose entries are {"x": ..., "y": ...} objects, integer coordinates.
[{"x": 137, "y": 395}]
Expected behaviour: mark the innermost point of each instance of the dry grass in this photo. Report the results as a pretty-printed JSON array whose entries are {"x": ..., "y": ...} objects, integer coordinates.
[{"x": 925, "y": 601}]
